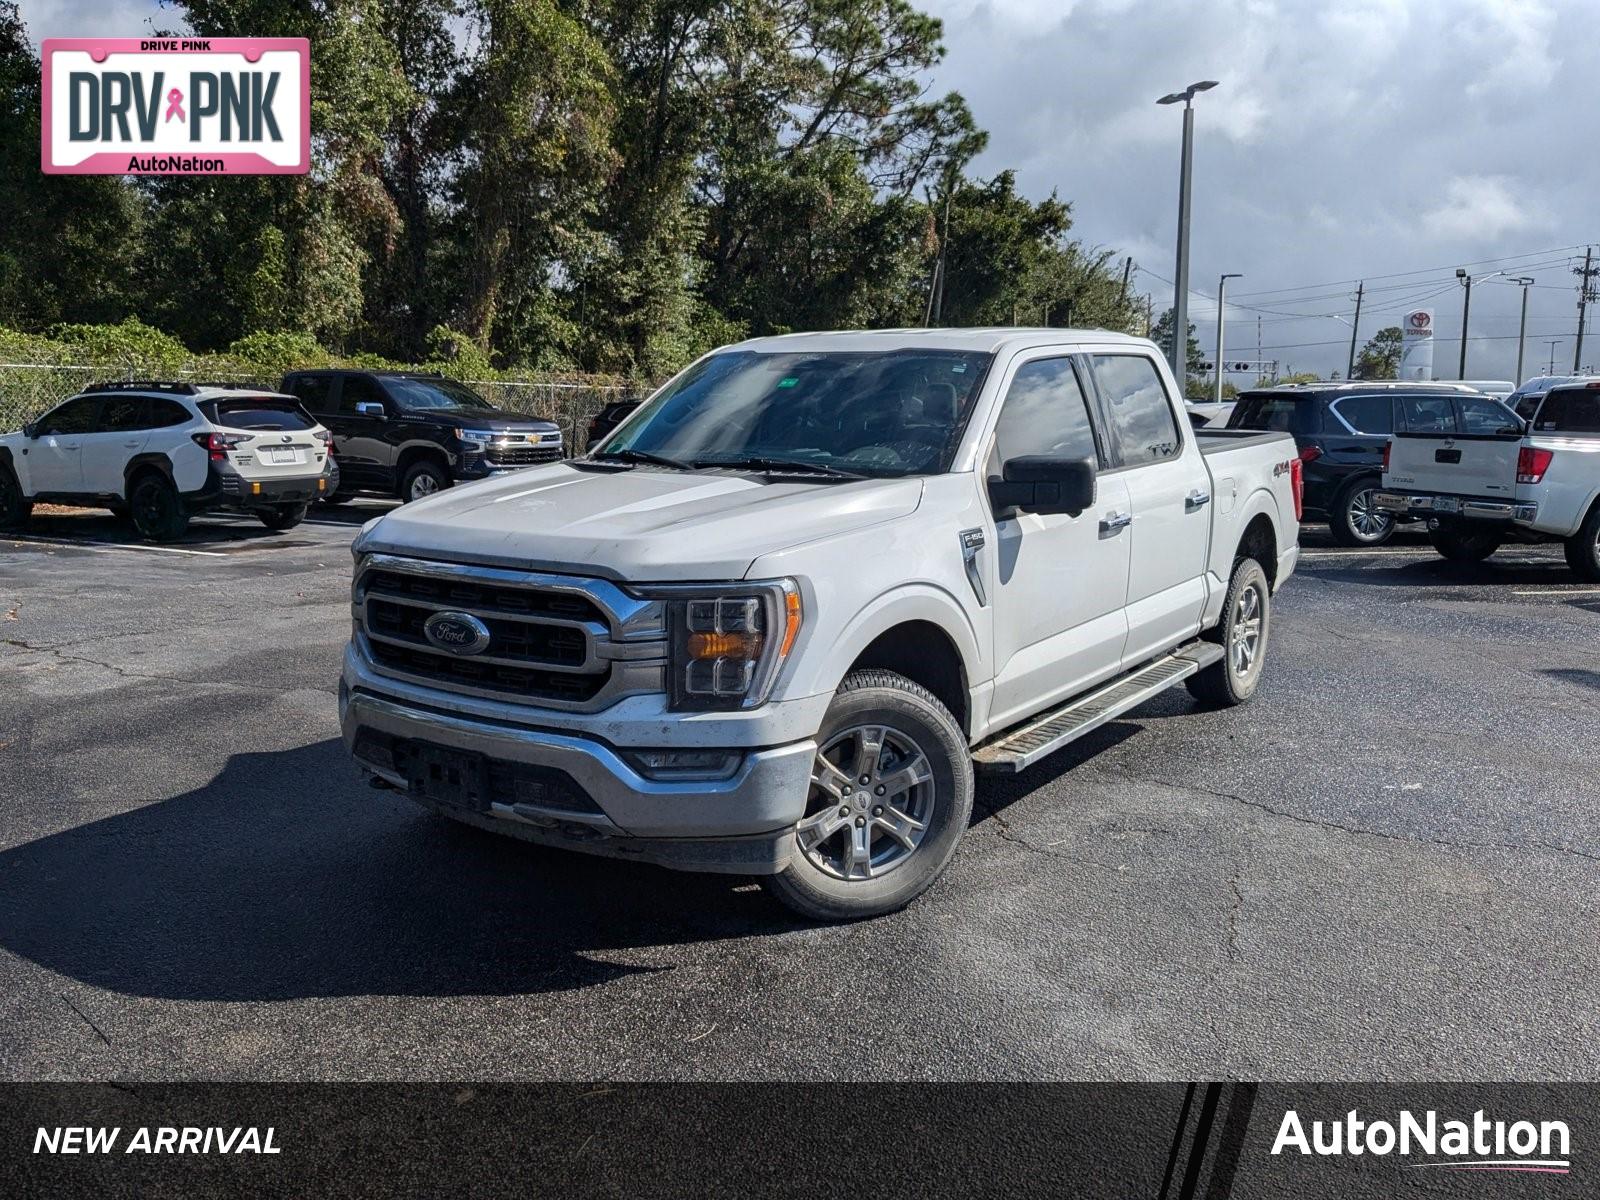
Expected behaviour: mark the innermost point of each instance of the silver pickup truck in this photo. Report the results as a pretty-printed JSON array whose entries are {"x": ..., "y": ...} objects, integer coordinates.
[
  {"x": 777, "y": 619},
  {"x": 1506, "y": 478}
]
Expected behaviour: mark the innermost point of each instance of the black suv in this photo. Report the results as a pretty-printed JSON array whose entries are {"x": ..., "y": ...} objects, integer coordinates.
[
  {"x": 408, "y": 434},
  {"x": 1341, "y": 430}
]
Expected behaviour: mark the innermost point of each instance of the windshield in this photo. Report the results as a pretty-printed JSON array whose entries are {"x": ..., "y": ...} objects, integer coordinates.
[
  {"x": 881, "y": 413},
  {"x": 412, "y": 394}
]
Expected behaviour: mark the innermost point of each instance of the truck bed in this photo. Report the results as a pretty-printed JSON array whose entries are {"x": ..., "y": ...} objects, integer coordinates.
[{"x": 1215, "y": 441}]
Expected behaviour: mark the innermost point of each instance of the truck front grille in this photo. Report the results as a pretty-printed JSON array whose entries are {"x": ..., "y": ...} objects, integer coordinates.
[
  {"x": 522, "y": 456},
  {"x": 550, "y": 641}
]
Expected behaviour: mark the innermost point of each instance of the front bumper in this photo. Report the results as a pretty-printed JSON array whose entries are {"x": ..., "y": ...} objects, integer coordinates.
[
  {"x": 578, "y": 793},
  {"x": 1472, "y": 508}
]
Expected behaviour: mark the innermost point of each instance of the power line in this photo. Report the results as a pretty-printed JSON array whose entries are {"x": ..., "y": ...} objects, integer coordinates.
[{"x": 1476, "y": 262}]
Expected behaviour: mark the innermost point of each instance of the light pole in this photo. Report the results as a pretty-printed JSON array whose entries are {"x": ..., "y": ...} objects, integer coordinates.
[
  {"x": 1525, "y": 282},
  {"x": 1466, "y": 311},
  {"x": 1180, "y": 280},
  {"x": 1222, "y": 288},
  {"x": 1554, "y": 342}
]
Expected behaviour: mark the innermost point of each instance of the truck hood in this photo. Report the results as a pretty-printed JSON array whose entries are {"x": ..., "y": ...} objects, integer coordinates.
[{"x": 636, "y": 525}]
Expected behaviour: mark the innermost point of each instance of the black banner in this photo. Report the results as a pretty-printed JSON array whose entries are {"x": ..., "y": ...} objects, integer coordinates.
[{"x": 1164, "y": 1141}]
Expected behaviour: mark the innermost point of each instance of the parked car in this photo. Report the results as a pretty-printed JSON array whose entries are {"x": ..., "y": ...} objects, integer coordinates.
[
  {"x": 774, "y": 624},
  {"x": 1341, "y": 430},
  {"x": 1498, "y": 388},
  {"x": 400, "y": 433},
  {"x": 1204, "y": 414},
  {"x": 162, "y": 452},
  {"x": 1525, "y": 400},
  {"x": 1480, "y": 487},
  {"x": 608, "y": 418}
]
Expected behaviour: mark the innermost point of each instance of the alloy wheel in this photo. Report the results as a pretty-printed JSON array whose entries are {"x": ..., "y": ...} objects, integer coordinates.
[
  {"x": 872, "y": 795},
  {"x": 423, "y": 485},
  {"x": 1366, "y": 518},
  {"x": 1244, "y": 638}
]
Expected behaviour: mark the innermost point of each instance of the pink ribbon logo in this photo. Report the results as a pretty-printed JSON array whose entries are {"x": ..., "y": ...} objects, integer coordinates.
[{"x": 175, "y": 105}]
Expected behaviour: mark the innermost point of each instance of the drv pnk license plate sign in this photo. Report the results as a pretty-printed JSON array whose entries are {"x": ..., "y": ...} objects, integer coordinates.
[{"x": 176, "y": 106}]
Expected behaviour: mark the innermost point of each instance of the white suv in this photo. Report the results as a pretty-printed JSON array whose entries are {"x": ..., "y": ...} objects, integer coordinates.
[{"x": 161, "y": 452}]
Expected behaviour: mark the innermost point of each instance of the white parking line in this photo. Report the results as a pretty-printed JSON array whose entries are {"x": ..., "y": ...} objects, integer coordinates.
[
  {"x": 84, "y": 544},
  {"x": 1560, "y": 592}
]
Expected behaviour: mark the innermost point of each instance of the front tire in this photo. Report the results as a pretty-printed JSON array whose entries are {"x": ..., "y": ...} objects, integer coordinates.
[
  {"x": 1243, "y": 631},
  {"x": 15, "y": 508},
  {"x": 282, "y": 516},
  {"x": 1464, "y": 545},
  {"x": 1583, "y": 548},
  {"x": 891, "y": 793},
  {"x": 421, "y": 480},
  {"x": 157, "y": 509},
  {"x": 1355, "y": 520}
]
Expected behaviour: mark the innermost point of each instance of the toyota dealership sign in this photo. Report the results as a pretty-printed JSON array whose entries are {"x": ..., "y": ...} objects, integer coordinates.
[
  {"x": 1416, "y": 344},
  {"x": 176, "y": 106}
]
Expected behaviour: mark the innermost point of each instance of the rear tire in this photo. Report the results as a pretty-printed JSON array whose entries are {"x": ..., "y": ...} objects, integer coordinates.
[
  {"x": 1243, "y": 631},
  {"x": 1583, "y": 548},
  {"x": 421, "y": 480},
  {"x": 866, "y": 849},
  {"x": 282, "y": 516},
  {"x": 1464, "y": 545},
  {"x": 1355, "y": 521},
  {"x": 15, "y": 508},
  {"x": 157, "y": 509}
]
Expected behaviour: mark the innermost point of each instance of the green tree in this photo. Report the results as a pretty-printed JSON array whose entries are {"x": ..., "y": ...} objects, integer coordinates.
[
  {"x": 1195, "y": 358},
  {"x": 1380, "y": 357}
]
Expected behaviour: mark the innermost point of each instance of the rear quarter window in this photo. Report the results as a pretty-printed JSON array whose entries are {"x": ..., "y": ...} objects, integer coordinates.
[
  {"x": 257, "y": 412},
  {"x": 1571, "y": 410},
  {"x": 1275, "y": 413}
]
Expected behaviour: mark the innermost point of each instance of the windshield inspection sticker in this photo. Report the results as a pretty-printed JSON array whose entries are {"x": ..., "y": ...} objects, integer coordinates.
[{"x": 176, "y": 106}]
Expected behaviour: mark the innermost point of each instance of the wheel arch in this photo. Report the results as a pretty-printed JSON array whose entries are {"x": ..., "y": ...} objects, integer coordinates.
[{"x": 143, "y": 464}]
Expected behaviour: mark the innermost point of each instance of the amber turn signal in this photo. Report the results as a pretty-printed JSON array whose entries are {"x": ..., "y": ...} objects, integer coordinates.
[{"x": 724, "y": 645}]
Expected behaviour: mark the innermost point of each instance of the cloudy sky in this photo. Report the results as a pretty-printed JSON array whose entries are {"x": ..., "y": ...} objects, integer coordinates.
[{"x": 1385, "y": 140}]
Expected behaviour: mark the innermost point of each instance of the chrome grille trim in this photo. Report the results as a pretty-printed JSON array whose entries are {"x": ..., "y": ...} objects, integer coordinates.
[{"x": 624, "y": 646}]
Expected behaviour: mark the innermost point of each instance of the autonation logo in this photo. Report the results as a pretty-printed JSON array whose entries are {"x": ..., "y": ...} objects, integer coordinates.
[{"x": 1480, "y": 1144}]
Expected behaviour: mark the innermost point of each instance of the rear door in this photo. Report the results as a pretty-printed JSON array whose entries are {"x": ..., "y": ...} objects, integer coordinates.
[
  {"x": 119, "y": 433},
  {"x": 1169, "y": 500},
  {"x": 1455, "y": 445}
]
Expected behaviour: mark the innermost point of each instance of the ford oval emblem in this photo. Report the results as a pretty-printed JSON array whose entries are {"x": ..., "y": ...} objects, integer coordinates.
[{"x": 457, "y": 632}]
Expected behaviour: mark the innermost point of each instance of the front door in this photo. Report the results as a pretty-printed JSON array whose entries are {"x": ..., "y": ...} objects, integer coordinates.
[
  {"x": 1060, "y": 580},
  {"x": 1169, "y": 499},
  {"x": 53, "y": 460},
  {"x": 363, "y": 446}
]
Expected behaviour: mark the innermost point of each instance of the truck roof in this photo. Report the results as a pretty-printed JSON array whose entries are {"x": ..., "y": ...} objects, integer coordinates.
[{"x": 983, "y": 341}]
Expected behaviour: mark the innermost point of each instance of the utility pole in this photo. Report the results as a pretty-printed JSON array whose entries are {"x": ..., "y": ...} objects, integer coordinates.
[
  {"x": 1588, "y": 273},
  {"x": 1222, "y": 289},
  {"x": 1554, "y": 342},
  {"x": 1127, "y": 271},
  {"x": 1526, "y": 282},
  {"x": 1350, "y": 367},
  {"x": 1466, "y": 312}
]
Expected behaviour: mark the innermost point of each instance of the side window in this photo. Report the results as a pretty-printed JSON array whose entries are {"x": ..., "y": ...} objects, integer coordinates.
[
  {"x": 358, "y": 389},
  {"x": 75, "y": 416},
  {"x": 1484, "y": 416},
  {"x": 1571, "y": 412},
  {"x": 1137, "y": 408},
  {"x": 121, "y": 414},
  {"x": 164, "y": 414},
  {"x": 1045, "y": 413},
  {"x": 1428, "y": 414},
  {"x": 315, "y": 392},
  {"x": 1367, "y": 414}
]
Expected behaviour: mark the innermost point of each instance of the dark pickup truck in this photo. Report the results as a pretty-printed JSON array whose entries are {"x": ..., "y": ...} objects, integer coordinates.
[{"x": 409, "y": 435}]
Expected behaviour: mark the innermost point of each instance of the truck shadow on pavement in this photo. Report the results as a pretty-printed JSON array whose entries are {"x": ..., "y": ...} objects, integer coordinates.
[{"x": 286, "y": 877}]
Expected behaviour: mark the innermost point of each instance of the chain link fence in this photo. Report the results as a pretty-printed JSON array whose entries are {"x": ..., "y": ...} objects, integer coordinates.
[{"x": 27, "y": 390}]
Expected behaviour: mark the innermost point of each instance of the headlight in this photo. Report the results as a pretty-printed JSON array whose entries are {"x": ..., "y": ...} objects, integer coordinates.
[
  {"x": 728, "y": 643},
  {"x": 475, "y": 437}
]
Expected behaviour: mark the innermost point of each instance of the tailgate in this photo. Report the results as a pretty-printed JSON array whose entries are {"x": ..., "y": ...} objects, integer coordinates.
[
  {"x": 1452, "y": 464},
  {"x": 276, "y": 455}
]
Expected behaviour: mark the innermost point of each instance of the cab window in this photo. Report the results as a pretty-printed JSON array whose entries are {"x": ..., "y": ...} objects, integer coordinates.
[
  {"x": 358, "y": 389},
  {"x": 315, "y": 392},
  {"x": 1137, "y": 410},
  {"x": 1574, "y": 410},
  {"x": 1045, "y": 413}
]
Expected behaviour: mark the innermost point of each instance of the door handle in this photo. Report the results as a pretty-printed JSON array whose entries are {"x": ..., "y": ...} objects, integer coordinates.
[
  {"x": 1114, "y": 521},
  {"x": 131, "y": 445},
  {"x": 1196, "y": 499}
]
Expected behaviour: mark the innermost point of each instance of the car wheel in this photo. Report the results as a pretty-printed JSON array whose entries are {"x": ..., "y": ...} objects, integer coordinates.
[
  {"x": 422, "y": 480},
  {"x": 15, "y": 508},
  {"x": 1464, "y": 545},
  {"x": 1356, "y": 520},
  {"x": 157, "y": 509},
  {"x": 890, "y": 795},
  {"x": 282, "y": 516},
  {"x": 1243, "y": 631},
  {"x": 1583, "y": 548}
]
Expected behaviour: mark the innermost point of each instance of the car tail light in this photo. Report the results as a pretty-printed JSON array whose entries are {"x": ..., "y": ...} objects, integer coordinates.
[
  {"x": 1532, "y": 463},
  {"x": 1387, "y": 446},
  {"x": 217, "y": 445},
  {"x": 1310, "y": 453},
  {"x": 1297, "y": 484}
]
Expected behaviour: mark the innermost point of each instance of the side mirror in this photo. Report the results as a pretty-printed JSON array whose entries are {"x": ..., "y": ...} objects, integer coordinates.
[
  {"x": 1041, "y": 484},
  {"x": 371, "y": 408},
  {"x": 31, "y": 430}
]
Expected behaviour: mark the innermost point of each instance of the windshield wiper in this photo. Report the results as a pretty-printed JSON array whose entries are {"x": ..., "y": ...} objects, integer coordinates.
[
  {"x": 778, "y": 466},
  {"x": 644, "y": 456}
]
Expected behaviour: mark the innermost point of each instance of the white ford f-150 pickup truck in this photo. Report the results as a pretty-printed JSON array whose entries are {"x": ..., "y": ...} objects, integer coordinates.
[
  {"x": 773, "y": 623},
  {"x": 1494, "y": 478}
]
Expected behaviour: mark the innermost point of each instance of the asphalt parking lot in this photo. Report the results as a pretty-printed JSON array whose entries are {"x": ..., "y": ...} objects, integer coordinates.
[{"x": 1384, "y": 868}]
